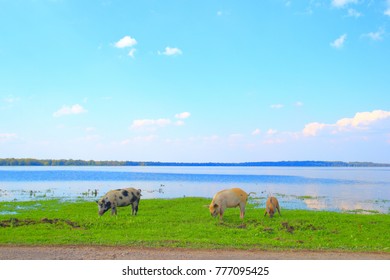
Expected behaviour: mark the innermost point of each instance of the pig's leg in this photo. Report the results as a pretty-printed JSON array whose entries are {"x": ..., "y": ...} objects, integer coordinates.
[
  {"x": 221, "y": 210},
  {"x": 134, "y": 208},
  {"x": 113, "y": 209},
  {"x": 242, "y": 210},
  {"x": 278, "y": 210}
]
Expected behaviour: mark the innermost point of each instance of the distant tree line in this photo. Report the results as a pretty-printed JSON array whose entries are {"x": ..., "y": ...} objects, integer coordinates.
[
  {"x": 57, "y": 162},
  {"x": 71, "y": 162}
]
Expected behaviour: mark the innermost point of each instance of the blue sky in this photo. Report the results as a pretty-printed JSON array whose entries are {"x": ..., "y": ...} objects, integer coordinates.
[{"x": 195, "y": 81}]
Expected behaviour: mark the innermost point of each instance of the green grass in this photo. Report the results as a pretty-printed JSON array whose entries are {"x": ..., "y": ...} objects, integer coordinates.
[{"x": 186, "y": 222}]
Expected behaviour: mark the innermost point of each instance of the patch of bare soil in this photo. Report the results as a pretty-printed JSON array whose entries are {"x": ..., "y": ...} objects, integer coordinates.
[
  {"x": 12, "y": 252},
  {"x": 17, "y": 222}
]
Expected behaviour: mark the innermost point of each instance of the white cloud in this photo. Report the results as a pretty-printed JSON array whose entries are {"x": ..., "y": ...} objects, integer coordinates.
[
  {"x": 313, "y": 128},
  {"x": 150, "y": 123},
  {"x": 179, "y": 123},
  {"x": 131, "y": 53},
  {"x": 274, "y": 137},
  {"x": 11, "y": 99},
  {"x": 339, "y": 42},
  {"x": 277, "y": 106},
  {"x": 298, "y": 104},
  {"x": 171, "y": 51},
  {"x": 361, "y": 120},
  {"x": 72, "y": 110},
  {"x": 183, "y": 115},
  {"x": 271, "y": 132},
  {"x": 375, "y": 36},
  {"x": 125, "y": 42},
  {"x": 342, "y": 3},
  {"x": 387, "y": 11},
  {"x": 354, "y": 13},
  {"x": 4, "y": 137},
  {"x": 256, "y": 131}
]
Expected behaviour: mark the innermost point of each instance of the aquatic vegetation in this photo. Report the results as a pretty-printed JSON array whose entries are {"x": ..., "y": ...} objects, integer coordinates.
[{"x": 90, "y": 193}]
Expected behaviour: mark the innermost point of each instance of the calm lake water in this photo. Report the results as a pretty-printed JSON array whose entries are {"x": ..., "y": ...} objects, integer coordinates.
[{"x": 333, "y": 189}]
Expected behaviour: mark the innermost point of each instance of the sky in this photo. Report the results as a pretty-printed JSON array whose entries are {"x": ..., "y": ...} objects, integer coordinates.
[{"x": 195, "y": 81}]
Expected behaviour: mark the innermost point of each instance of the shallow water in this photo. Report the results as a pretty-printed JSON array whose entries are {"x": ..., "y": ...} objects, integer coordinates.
[{"x": 332, "y": 189}]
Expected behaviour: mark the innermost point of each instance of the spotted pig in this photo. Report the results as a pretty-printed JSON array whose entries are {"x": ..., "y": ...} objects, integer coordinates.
[
  {"x": 119, "y": 198},
  {"x": 228, "y": 199},
  {"x": 271, "y": 206}
]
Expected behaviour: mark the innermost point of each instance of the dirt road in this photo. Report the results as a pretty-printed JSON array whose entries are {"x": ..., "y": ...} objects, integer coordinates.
[{"x": 129, "y": 253}]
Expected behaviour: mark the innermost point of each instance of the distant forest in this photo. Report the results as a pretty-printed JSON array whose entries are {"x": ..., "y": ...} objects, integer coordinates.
[{"x": 71, "y": 162}]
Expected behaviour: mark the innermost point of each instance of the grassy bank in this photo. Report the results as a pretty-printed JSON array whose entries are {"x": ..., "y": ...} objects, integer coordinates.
[{"x": 186, "y": 222}]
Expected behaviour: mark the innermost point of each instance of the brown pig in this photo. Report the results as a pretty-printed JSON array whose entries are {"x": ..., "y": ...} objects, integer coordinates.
[
  {"x": 228, "y": 199},
  {"x": 271, "y": 206}
]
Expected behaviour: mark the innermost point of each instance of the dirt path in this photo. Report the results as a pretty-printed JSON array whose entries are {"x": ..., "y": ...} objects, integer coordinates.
[{"x": 130, "y": 253}]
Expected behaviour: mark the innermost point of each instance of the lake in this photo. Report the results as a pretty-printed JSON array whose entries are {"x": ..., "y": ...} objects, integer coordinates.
[{"x": 360, "y": 189}]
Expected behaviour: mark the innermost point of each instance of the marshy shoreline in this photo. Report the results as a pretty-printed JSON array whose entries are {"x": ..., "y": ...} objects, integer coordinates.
[{"x": 182, "y": 228}]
